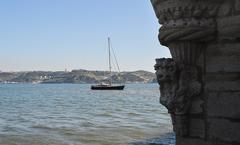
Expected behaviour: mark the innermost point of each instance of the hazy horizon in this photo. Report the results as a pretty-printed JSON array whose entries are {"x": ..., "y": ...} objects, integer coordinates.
[
  {"x": 70, "y": 34},
  {"x": 70, "y": 70}
]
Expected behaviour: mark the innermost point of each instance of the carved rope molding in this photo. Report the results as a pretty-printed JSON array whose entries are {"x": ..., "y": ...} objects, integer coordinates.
[{"x": 187, "y": 27}]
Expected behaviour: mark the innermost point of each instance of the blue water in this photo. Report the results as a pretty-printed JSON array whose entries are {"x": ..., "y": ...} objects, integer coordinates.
[{"x": 72, "y": 114}]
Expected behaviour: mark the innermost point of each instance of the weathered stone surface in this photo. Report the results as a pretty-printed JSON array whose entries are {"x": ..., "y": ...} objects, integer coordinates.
[
  {"x": 197, "y": 106},
  {"x": 195, "y": 141},
  {"x": 223, "y": 76},
  {"x": 179, "y": 84},
  {"x": 223, "y": 58},
  {"x": 216, "y": 85},
  {"x": 229, "y": 27},
  {"x": 223, "y": 64},
  {"x": 185, "y": 30},
  {"x": 229, "y": 20},
  {"x": 224, "y": 104},
  {"x": 186, "y": 20},
  {"x": 224, "y": 130},
  {"x": 197, "y": 128},
  {"x": 223, "y": 49},
  {"x": 205, "y": 35}
]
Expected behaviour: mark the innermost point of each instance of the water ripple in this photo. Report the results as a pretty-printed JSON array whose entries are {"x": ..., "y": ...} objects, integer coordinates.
[{"x": 66, "y": 114}]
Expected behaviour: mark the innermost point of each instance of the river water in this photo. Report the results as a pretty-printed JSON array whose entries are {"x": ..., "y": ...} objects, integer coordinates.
[{"x": 72, "y": 114}]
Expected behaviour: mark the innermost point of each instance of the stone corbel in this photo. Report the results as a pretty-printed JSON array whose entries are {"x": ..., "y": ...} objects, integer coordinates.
[{"x": 187, "y": 27}]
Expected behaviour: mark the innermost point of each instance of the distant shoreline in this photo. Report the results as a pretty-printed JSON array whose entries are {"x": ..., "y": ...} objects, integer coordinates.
[
  {"x": 69, "y": 83},
  {"x": 77, "y": 77}
]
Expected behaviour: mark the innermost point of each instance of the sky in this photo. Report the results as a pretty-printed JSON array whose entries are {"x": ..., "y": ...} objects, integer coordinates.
[{"x": 54, "y": 35}]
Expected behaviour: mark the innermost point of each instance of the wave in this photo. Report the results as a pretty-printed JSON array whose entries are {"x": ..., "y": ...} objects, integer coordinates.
[{"x": 41, "y": 126}]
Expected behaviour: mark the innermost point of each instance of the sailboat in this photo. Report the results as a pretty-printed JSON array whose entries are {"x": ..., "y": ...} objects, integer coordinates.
[{"x": 110, "y": 85}]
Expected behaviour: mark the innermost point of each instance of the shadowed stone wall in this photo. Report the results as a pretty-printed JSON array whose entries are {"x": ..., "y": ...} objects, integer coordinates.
[{"x": 200, "y": 84}]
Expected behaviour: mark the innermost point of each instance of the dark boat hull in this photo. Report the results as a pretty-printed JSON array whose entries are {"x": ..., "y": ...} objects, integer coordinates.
[{"x": 107, "y": 87}]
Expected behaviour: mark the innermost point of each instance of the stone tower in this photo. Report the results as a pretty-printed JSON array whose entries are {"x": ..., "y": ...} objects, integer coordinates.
[{"x": 200, "y": 84}]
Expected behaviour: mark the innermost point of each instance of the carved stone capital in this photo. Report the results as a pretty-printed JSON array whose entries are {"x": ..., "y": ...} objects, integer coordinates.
[
  {"x": 186, "y": 20},
  {"x": 187, "y": 27}
]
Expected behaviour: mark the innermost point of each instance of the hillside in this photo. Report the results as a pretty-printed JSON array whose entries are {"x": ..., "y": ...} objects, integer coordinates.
[{"x": 76, "y": 76}]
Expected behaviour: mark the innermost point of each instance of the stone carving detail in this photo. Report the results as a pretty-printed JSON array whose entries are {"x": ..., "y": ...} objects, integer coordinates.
[
  {"x": 186, "y": 20},
  {"x": 178, "y": 85},
  {"x": 166, "y": 72},
  {"x": 187, "y": 27}
]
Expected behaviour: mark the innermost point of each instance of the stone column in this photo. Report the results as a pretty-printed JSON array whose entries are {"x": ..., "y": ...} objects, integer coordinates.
[{"x": 196, "y": 31}]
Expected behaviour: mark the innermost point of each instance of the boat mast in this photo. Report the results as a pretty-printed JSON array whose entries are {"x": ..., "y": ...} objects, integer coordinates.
[{"x": 109, "y": 60}]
